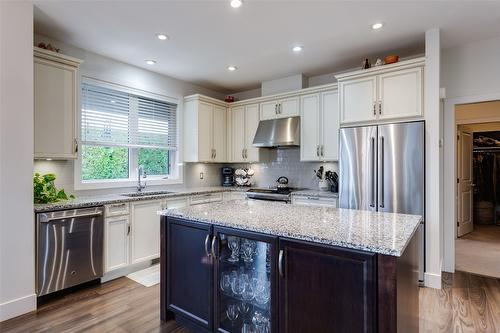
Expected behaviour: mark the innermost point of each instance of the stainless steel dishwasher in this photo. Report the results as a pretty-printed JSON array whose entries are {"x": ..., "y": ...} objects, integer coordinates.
[{"x": 69, "y": 248}]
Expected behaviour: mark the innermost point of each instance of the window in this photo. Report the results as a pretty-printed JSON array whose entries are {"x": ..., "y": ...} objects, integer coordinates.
[{"x": 121, "y": 130}]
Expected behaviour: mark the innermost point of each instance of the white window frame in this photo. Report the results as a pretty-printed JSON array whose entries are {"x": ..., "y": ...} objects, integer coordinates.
[{"x": 176, "y": 167}]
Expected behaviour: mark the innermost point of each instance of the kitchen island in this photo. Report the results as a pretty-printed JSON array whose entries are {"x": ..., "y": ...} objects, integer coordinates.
[{"x": 265, "y": 265}]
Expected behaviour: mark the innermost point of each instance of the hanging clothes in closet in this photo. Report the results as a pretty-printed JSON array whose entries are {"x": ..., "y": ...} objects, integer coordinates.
[{"x": 486, "y": 165}]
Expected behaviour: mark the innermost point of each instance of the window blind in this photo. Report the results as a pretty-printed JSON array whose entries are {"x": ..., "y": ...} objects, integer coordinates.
[{"x": 114, "y": 118}]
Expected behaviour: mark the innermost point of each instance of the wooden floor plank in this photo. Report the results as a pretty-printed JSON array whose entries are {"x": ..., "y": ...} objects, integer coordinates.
[{"x": 467, "y": 303}]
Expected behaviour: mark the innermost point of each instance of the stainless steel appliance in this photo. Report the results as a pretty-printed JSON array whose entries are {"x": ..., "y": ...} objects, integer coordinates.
[
  {"x": 283, "y": 132},
  {"x": 282, "y": 183},
  {"x": 271, "y": 194},
  {"x": 69, "y": 248},
  {"x": 227, "y": 176},
  {"x": 382, "y": 169}
]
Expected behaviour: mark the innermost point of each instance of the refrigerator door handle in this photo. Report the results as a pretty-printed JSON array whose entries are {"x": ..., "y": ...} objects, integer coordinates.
[
  {"x": 372, "y": 191},
  {"x": 381, "y": 172}
]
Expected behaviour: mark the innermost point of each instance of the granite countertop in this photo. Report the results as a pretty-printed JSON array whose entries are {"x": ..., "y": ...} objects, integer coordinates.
[
  {"x": 315, "y": 193},
  {"x": 384, "y": 233},
  {"x": 99, "y": 200}
]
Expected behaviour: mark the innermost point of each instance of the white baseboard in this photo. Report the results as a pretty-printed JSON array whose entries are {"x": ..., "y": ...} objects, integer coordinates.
[
  {"x": 17, "y": 307},
  {"x": 432, "y": 280}
]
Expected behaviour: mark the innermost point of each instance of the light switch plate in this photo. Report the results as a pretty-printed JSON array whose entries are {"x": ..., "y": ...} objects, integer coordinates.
[{"x": 201, "y": 175}]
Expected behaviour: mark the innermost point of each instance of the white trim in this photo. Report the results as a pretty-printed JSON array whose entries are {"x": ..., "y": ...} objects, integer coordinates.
[
  {"x": 17, "y": 307},
  {"x": 450, "y": 176},
  {"x": 432, "y": 280},
  {"x": 176, "y": 166}
]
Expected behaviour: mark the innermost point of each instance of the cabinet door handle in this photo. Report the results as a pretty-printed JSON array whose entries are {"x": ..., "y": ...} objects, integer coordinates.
[
  {"x": 380, "y": 107},
  {"x": 214, "y": 241},
  {"x": 317, "y": 150},
  {"x": 128, "y": 229},
  {"x": 280, "y": 263},
  {"x": 275, "y": 108},
  {"x": 246, "y": 153},
  {"x": 322, "y": 151},
  {"x": 374, "y": 108},
  {"x": 76, "y": 146},
  {"x": 279, "y": 108},
  {"x": 243, "y": 153},
  {"x": 207, "y": 251},
  {"x": 215, "y": 153}
]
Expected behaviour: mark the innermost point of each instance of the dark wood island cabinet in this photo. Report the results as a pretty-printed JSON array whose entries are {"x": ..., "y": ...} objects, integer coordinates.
[{"x": 224, "y": 279}]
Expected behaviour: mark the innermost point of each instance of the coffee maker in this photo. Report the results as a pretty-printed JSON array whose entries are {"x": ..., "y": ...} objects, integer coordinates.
[{"x": 227, "y": 176}]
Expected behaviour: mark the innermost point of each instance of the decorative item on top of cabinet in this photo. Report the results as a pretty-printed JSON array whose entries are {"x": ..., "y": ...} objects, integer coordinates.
[
  {"x": 319, "y": 128},
  {"x": 204, "y": 129},
  {"x": 56, "y": 91},
  {"x": 244, "y": 121},
  {"x": 283, "y": 108},
  {"x": 391, "y": 92}
]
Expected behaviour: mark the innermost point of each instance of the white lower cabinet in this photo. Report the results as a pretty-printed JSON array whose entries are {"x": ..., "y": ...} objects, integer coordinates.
[
  {"x": 116, "y": 251},
  {"x": 145, "y": 230}
]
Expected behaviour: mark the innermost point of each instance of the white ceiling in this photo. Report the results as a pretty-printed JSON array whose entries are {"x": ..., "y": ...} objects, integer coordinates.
[{"x": 207, "y": 36}]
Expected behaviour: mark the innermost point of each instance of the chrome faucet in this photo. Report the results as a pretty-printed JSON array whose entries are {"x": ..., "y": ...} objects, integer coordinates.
[{"x": 140, "y": 172}]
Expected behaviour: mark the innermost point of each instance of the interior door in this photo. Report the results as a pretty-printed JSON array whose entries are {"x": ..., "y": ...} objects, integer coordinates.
[
  {"x": 358, "y": 168},
  {"x": 465, "y": 223}
]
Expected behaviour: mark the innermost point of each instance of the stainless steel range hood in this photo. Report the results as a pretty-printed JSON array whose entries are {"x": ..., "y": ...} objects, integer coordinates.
[{"x": 284, "y": 132}]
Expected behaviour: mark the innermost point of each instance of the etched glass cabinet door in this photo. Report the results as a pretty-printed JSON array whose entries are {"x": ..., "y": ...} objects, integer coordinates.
[{"x": 245, "y": 282}]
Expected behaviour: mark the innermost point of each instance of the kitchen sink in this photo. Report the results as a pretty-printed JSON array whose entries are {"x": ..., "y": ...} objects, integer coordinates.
[{"x": 145, "y": 194}]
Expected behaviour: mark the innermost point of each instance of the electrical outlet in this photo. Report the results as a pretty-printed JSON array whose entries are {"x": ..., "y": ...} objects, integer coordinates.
[{"x": 201, "y": 175}]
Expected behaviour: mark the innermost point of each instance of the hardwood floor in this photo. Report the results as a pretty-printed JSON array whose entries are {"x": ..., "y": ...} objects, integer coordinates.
[
  {"x": 478, "y": 251},
  {"x": 467, "y": 303}
]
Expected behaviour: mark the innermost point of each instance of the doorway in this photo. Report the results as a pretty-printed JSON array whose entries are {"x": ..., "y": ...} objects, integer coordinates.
[{"x": 477, "y": 245}]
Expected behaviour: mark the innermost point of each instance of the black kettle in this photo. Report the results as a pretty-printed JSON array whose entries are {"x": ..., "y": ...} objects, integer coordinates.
[{"x": 282, "y": 183}]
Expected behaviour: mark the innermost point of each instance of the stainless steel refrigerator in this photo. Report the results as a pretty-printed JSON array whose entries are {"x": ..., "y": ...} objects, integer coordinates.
[{"x": 382, "y": 169}]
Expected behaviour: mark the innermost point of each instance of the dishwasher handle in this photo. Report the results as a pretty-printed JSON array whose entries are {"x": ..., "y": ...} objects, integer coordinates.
[{"x": 44, "y": 218}]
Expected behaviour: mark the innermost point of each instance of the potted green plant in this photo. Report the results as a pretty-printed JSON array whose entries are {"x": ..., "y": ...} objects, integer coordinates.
[{"x": 45, "y": 191}]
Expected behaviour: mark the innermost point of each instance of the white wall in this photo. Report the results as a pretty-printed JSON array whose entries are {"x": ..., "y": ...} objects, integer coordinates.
[
  {"x": 433, "y": 168},
  {"x": 110, "y": 70},
  {"x": 471, "y": 74},
  {"x": 17, "y": 275},
  {"x": 472, "y": 69}
]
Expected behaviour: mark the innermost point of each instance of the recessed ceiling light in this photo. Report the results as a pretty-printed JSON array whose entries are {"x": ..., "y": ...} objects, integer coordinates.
[
  {"x": 232, "y": 68},
  {"x": 297, "y": 48},
  {"x": 377, "y": 25},
  {"x": 162, "y": 36},
  {"x": 236, "y": 3},
  {"x": 150, "y": 62}
]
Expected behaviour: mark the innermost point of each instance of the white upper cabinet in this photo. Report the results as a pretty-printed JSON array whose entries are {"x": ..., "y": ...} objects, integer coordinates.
[
  {"x": 391, "y": 92},
  {"x": 358, "y": 99},
  {"x": 204, "y": 129},
  {"x": 56, "y": 85},
  {"x": 330, "y": 125},
  {"x": 252, "y": 154},
  {"x": 287, "y": 107},
  {"x": 400, "y": 94},
  {"x": 309, "y": 128},
  {"x": 244, "y": 123},
  {"x": 319, "y": 126}
]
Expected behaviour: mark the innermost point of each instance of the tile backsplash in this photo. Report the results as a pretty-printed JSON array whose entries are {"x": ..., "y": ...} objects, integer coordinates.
[{"x": 276, "y": 163}]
